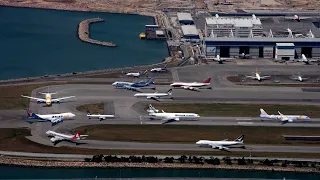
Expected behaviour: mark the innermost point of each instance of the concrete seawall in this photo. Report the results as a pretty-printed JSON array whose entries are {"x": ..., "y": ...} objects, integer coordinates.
[{"x": 84, "y": 32}]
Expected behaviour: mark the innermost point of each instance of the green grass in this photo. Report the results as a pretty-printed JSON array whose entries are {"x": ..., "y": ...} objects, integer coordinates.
[
  {"x": 191, "y": 134},
  {"x": 92, "y": 108},
  {"x": 238, "y": 110},
  {"x": 14, "y": 140}
]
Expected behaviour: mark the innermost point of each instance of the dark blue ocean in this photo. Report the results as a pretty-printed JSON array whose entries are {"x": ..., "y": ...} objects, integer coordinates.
[
  {"x": 80, "y": 173},
  {"x": 36, "y": 42}
]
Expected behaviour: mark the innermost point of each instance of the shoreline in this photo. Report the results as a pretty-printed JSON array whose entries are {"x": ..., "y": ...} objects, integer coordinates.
[{"x": 20, "y": 162}]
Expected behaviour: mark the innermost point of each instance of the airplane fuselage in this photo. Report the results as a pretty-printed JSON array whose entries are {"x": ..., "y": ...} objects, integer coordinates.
[
  {"x": 293, "y": 117},
  {"x": 150, "y": 95},
  {"x": 175, "y": 115},
  {"x": 194, "y": 84},
  {"x": 56, "y": 116},
  {"x": 48, "y": 100},
  {"x": 207, "y": 143}
]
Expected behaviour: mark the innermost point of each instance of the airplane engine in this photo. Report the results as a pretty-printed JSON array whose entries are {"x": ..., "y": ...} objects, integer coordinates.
[
  {"x": 58, "y": 102},
  {"x": 38, "y": 102}
]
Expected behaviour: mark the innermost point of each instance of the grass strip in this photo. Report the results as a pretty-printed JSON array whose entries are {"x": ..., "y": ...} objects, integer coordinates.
[{"x": 92, "y": 108}]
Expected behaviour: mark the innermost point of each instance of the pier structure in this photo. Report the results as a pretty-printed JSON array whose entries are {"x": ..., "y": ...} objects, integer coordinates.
[{"x": 84, "y": 33}]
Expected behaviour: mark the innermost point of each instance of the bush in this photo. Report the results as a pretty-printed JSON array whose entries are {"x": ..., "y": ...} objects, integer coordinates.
[
  {"x": 87, "y": 159},
  {"x": 97, "y": 158},
  {"x": 283, "y": 164},
  {"x": 168, "y": 160},
  {"x": 227, "y": 161},
  {"x": 242, "y": 161}
]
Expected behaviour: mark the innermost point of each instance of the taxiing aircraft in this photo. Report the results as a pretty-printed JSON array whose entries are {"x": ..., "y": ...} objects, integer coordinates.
[
  {"x": 137, "y": 74},
  {"x": 221, "y": 145},
  {"x": 155, "y": 96},
  {"x": 58, "y": 137},
  {"x": 133, "y": 86},
  {"x": 297, "y": 18},
  {"x": 53, "y": 118},
  {"x": 164, "y": 69},
  {"x": 299, "y": 78},
  {"x": 171, "y": 117},
  {"x": 283, "y": 118},
  {"x": 48, "y": 99},
  {"x": 99, "y": 116},
  {"x": 194, "y": 86},
  {"x": 258, "y": 77},
  {"x": 152, "y": 109},
  {"x": 221, "y": 59},
  {"x": 306, "y": 60}
]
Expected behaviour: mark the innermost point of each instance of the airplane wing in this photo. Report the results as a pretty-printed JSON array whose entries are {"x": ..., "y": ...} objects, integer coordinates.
[
  {"x": 59, "y": 99},
  {"x": 265, "y": 77},
  {"x": 294, "y": 78},
  {"x": 251, "y": 77},
  {"x": 153, "y": 98},
  {"x": 170, "y": 120},
  {"x": 305, "y": 78},
  {"x": 220, "y": 147},
  {"x": 132, "y": 88},
  {"x": 190, "y": 88},
  {"x": 56, "y": 120},
  {"x": 57, "y": 138},
  {"x": 38, "y": 99}
]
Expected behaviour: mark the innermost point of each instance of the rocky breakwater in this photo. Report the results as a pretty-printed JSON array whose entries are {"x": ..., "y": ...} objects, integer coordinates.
[{"x": 84, "y": 33}]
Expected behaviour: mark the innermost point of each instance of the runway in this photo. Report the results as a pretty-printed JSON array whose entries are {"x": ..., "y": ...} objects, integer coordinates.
[{"x": 122, "y": 103}]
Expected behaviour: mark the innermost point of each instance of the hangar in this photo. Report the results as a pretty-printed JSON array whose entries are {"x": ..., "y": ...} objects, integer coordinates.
[
  {"x": 190, "y": 32},
  {"x": 185, "y": 18},
  {"x": 261, "y": 47}
]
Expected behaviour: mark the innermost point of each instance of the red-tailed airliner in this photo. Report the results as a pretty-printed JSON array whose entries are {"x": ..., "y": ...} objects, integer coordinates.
[{"x": 194, "y": 86}]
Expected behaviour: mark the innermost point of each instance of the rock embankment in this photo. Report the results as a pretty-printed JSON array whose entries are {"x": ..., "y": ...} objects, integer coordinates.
[{"x": 84, "y": 32}]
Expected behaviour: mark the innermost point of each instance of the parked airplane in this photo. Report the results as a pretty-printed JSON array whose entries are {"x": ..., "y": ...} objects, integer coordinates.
[
  {"x": 171, "y": 117},
  {"x": 99, "y": 116},
  {"x": 297, "y": 18},
  {"x": 53, "y": 118},
  {"x": 283, "y": 118},
  {"x": 133, "y": 86},
  {"x": 244, "y": 56},
  {"x": 155, "y": 96},
  {"x": 58, "y": 137},
  {"x": 48, "y": 99},
  {"x": 220, "y": 59},
  {"x": 137, "y": 74},
  {"x": 306, "y": 60},
  {"x": 299, "y": 78},
  {"x": 258, "y": 77},
  {"x": 194, "y": 86},
  {"x": 221, "y": 145},
  {"x": 164, "y": 69},
  {"x": 152, "y": 109}
]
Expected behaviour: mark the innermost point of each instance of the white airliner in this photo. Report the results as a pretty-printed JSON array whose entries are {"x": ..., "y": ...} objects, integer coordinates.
[
  {"x": 53, "y": 118},
  {"x": 306, "y": 60},
  {"x": 194, "y": 86},
  {"x": 164, "y": 69},
  {"x": 297, "y": 18},
  {"x": 299, "y": 78},
  {"x": 99, "y": 116},
  {"x": 57, "y": 137},
  {"x": 48, "y": 99},
  {"x": 220, "y": 59},
  {"x": 283, "y": 118},
  {"x": 221, "y": 145},
  {"x": 171, "y": 117},
  {"x": 258, "y": 77},
  {"x": 155, "y": 95},
  {"x": 137, "y": 74}
]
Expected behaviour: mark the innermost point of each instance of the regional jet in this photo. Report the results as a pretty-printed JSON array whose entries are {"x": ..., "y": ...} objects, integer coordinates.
[
  {"x": 48, "y": 99},
  {"x": 297, "y": 18},
  {"x": 258, "y": 77},
  {"x": 220, "y": 59},
  {"x": 283, "y": 118},
  {"x": 221, "y": 145},
  {"x": 306, "y": 60},
  {"x": 99, "y": 116},
  {"x": 137, "y": 74},
  {"x": 171, "y": 117},
  {"x": 194, "y": 86},
  {"x": 155, "y": 96},
  {"x": 299, "y": 78},
  {"x": 164, "y": 69},
  {"x": 58, "y": 137},
  {"x": 53, "y": 118},
  {"x": 134, "y": 86}
]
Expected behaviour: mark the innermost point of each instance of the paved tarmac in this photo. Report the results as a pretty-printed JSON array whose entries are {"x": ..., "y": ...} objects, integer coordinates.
[{"x": 121, "y": 102}]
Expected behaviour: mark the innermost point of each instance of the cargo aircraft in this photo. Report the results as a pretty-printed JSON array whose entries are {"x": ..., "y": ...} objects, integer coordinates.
[
  {"x": 283, "y": 118},
  {"x": 170, "y": 117},
  {"x": 134, "y": 86},
  {"x": 58, "y": 137},
  {"x": 155, "y": 96},
  {"x": 194, "y": 86},
  {"x": 258, "y": 77},
  {"x": 99, "y": 116},
  {"x": 137, "y": 74},
  {"x": 221, "y": 145},
  {"x": 48, "y": 99},
  {"x": 53, "y": 118}
]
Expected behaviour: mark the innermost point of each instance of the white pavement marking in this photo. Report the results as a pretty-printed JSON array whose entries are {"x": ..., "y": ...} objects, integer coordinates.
[
  {"x": 245, "y": 123},
  {"x": 243, "y": 119}
]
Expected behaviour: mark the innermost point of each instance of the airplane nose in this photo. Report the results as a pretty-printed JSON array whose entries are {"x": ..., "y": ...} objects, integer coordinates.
[{"x": 113, "y": 84}]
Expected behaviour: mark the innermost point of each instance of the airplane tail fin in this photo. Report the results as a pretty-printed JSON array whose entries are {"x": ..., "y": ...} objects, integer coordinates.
[
  {"x": 169, "y": 91},
  {"x": 240, "y": 139},
  {"x": 263, "y": 113},
  {"x": 207, "y": 81},
  {"x": 76, "y": 136},
  {"x": 88, "y": 113},
  {"x": 145, "y": 72},
  {"x": 152, "y": 108},
  {"x": 31, "y": 114},
  {"x": 304, "y": 57},
  {"x": 150, "y": 81}
]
